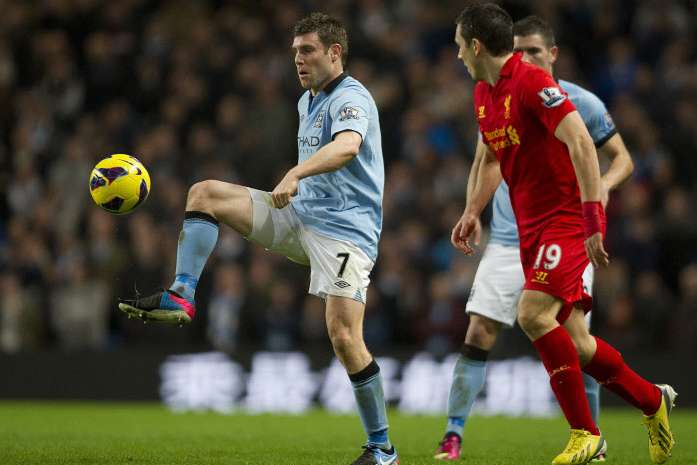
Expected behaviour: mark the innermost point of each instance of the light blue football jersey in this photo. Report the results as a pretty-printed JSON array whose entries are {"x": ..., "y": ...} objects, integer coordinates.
[
  {"x": 601, "y": 128},
  {"x": 345, "y": 204}
]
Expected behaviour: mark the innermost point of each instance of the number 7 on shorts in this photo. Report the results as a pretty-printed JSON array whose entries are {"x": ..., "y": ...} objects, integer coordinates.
[{"x": 345, "y": 256}]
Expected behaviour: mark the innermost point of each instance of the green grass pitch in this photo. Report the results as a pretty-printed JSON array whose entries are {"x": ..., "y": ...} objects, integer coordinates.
[{"x": 93, "y": 433}]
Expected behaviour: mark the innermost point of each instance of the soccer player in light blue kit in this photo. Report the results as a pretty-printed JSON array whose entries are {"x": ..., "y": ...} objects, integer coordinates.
[
  {"x": 325, "y": 213},
  {"x": 499, "y": 280}
]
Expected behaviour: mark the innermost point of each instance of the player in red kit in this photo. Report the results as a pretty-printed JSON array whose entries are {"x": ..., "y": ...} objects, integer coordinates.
[{"x": 538, "y": 142}]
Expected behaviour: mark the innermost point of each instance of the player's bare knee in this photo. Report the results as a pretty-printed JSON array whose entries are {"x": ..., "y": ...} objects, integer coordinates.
[
  {"x": 527, "y": 319},
  {"x": 343, "y": 340},
  {"x": 199, "y": 197},
  {"x": 535, "y": 324},
  {"x": 482, "y": 332},
  {"x": 537, "y": 313}
]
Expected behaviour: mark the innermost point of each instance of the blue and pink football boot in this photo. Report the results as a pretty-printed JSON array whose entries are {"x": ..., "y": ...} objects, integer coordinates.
[{"x": 166, "y": 306}]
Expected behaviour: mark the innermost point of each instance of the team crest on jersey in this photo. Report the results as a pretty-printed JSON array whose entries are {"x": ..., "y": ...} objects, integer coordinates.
[
  {"x": 481, "y": 114},
  {"x": 507, "y": 107},
  {"x": 551, "y": 97},
  {"x": 319, "y": 120},
  {"x": 348, "y": 113}
]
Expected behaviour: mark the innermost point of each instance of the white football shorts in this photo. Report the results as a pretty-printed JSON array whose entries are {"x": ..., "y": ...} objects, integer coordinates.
[
  {"x": 499, "y": 282},
  {"x": 337, "y": 267}
]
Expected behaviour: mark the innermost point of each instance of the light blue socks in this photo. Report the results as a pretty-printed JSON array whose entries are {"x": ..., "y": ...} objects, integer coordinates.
[
  {"x": 468, "y": 380},
  {"x": 197, "y": 240},
  {"x": 367, "y": 387}
]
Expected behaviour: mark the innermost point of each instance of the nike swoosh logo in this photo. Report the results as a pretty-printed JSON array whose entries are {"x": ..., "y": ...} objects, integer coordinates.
[{"x": 388, "y": 462}]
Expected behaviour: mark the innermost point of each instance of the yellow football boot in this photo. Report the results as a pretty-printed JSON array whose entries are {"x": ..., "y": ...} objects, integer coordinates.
[
  {"x": 661, "y": 440},
  {"x": 582, "y": 448}
]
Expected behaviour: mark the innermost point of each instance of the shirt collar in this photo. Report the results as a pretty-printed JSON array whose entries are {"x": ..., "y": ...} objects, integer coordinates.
[
  {"x": 511, "y": 63},
  {"x": 328, "y": 89},
  {"x": 334, "y": 84}
]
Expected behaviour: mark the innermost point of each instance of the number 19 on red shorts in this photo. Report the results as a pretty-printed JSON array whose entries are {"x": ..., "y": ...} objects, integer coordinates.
[{"x": 555, "y": 265}]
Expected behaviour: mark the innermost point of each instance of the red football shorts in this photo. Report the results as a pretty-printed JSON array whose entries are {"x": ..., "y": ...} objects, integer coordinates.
[{"x": 554, "y": 260}]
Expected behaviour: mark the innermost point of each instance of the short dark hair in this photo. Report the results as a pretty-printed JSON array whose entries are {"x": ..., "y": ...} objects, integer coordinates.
[
  {"x": 531, "y": 25},
  {"x": 490, "y": 24},
  {"x": 330, "y": 31}
]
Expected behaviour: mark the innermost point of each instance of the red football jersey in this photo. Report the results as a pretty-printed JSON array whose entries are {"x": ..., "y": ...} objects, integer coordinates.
[{"x": 517, "y": 118}]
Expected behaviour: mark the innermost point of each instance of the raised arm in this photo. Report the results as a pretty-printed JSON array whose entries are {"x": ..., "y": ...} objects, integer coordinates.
[{"x": 330, "y": 157}]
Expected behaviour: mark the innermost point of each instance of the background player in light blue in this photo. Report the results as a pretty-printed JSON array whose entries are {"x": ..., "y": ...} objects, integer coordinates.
[
  {"x": 326, "y": 213},
  {"x": 499, "y": 280}
]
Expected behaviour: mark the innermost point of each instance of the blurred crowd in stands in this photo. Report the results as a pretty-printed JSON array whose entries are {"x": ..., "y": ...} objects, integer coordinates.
[{"x": 207, "y": 89}]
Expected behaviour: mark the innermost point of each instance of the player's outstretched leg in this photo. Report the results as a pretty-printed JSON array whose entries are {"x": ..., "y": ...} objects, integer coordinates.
[
  {"x": 197, "y": 240},
  {"x": 469, "y": 376},
  {"x": 207, "y": 202},
  {"x": 345, "y": 326}
]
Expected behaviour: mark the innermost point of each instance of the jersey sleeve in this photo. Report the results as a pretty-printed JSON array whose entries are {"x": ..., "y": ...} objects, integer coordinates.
[
  {"x": 542, "y": 96},
  {"x": 600, "y": 124},
  {"x": 350, "y": 111}
]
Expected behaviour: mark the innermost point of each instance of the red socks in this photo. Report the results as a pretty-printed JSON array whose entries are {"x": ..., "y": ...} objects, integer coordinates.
[
  {"x": 560, "y": 358},
  {"x": 609, "y": 369}
]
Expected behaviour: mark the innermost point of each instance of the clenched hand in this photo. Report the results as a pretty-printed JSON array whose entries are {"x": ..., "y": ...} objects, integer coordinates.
[{"x": 285, "y": 189}]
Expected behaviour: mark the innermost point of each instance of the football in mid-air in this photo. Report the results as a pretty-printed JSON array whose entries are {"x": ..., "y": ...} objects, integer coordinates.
[{"x": 119, "y": 183}]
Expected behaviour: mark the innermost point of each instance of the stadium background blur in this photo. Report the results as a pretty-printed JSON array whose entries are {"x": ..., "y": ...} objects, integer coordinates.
[{"x": 207, "y": 89}]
